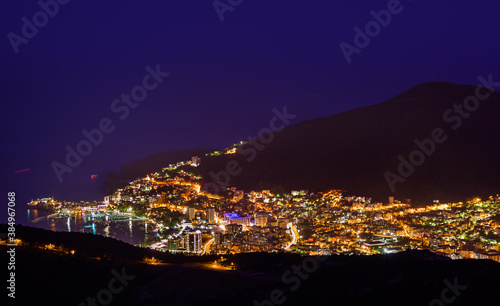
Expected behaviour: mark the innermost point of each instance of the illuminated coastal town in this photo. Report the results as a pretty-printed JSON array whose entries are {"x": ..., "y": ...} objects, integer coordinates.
[
  {"x": 232, "y": 152},
  {"x": 183, "y": 218}
]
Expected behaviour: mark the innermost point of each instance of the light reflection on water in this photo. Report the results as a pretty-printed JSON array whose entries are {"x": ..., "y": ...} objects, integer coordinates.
[{"x": 130, "y": 230}]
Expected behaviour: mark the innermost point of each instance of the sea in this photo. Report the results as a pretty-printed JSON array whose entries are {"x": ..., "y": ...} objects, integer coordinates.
[{"x": 124, "y": 227}]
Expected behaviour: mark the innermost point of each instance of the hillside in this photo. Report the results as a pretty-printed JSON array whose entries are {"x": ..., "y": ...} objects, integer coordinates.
[
  {"x": 147, "y": 165},
  {"x": 353, "y": 150}
]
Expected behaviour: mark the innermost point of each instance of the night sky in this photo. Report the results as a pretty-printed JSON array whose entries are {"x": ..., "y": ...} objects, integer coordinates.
[{"x": 225, "y": 76}]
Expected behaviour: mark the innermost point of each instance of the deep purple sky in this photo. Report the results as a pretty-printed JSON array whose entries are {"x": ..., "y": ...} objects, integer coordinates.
[{"x": 225, "y": 77}]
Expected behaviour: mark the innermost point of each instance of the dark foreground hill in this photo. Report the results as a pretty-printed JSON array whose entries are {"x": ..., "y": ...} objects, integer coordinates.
[
  {"x": 353, "y": 150},
  {"x": 45, "y": 277}
]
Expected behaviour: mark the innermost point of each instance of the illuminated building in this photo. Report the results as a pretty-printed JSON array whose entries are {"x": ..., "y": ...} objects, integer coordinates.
[
  {"x": 219, "y": 238},
  {"x": 174, "y": 244},
  {"x": 211, "y": 215},
  {"x": 261, "y": 219},
  {"x": 234, "y": 228},
  {"x": 193, "y": 242},
  {"x": 238, "y": 195},
  {"x": 191, "y": 213},
  {"x": 195, "y": 161},
  {"x": 234, "y": 218}
]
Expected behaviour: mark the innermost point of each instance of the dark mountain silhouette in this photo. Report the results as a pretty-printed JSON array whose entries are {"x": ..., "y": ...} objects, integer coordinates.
[{"x": 353, "y": 150}]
